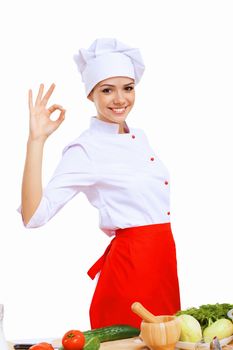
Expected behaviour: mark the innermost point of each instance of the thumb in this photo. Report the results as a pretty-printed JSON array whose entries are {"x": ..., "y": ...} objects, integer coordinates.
[{"x": 61, "y": 117}]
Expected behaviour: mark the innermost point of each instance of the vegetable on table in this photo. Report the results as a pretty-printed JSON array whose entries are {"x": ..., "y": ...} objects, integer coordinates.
[
  {"x": 208, "y": 313},
  {"x": 92, "y": 344},
  {"x": 190, "y": 329},
  {"x": 73, "y": 340},
  {"x": 108, "y": 333},
  {"x": 41, "y": 346},
  {"x": 221, "y": 328},
  {"x": 114, "y": 332}
]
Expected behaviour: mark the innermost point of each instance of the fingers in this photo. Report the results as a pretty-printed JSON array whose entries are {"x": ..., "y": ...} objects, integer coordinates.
[
  {"x": 40, "y": 93},
  {"x": 61, "y": 117},
  {"x": 48, "y": 94},
  {"x": 46, "y": 97},
  {"x": 30, "y": 103},
  {"x": 42, "y": 101},
  {"x": 54, "y": 107}
]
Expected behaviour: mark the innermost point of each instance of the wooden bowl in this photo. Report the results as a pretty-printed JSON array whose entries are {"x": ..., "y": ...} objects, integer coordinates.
[{"x": 162, "y": 334}]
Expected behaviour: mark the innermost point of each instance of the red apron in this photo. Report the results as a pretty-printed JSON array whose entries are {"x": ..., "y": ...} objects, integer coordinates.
[{"x": 138, "y": 265}]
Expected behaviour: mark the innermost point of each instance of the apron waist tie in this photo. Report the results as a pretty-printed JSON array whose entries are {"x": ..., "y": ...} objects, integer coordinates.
[{"x": 98, "y": 265}]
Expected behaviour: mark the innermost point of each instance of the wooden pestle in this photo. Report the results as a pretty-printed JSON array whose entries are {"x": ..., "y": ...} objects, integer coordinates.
[{"x": 142, "y": 312}]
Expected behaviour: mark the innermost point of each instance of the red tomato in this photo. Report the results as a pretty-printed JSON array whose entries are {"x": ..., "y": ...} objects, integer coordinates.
[
  {"x": 73, "y": 340},
  {"x": 41, "y": 346}
]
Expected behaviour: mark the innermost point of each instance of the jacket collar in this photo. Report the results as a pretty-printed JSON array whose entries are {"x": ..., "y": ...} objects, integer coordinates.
[{"x": 106, "y": 127}]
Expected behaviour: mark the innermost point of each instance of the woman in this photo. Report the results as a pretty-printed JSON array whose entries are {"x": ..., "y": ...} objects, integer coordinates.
[{"x": 114, "y": 165}]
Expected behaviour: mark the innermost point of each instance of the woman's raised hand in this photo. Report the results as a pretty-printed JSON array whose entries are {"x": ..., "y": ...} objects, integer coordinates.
[{"x": 41, "y": 125}]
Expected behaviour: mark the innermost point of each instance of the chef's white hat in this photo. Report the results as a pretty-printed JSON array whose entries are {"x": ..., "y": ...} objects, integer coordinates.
[{"x": 108, "y": 57}]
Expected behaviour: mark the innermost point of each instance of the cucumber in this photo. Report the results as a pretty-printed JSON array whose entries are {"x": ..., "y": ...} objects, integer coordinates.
[
  {"x": 96, "y": 336},
  {"x": 92, "y": 344},
  {"x": 109, "y": 333}
]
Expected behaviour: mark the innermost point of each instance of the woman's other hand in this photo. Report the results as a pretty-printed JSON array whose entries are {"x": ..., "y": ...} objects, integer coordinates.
[{"x": 41, "y": 124}]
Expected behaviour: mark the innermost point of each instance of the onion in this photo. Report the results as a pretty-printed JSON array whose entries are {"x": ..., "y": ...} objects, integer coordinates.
[
  {"x": 221, "y": 328},
  {"x": 190, "y": 329}
]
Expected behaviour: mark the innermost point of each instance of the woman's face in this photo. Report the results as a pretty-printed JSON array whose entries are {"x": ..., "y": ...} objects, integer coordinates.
[{"x": 113, "y": 99}]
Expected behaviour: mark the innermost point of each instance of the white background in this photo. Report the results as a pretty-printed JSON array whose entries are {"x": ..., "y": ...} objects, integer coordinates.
[{"x": 184, "y": 103}]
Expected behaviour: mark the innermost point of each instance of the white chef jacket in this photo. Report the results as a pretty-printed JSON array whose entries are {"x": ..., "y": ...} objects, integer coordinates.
[{"x": 120, "y": 175}]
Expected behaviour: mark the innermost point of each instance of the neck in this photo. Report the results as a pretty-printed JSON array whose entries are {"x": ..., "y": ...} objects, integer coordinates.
[{"x": 122, "y": 128}]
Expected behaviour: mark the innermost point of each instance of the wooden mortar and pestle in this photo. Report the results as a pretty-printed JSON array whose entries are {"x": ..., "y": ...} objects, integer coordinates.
[{"x": 157, "y": 332}]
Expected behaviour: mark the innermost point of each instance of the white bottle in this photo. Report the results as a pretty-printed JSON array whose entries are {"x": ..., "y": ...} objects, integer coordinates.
[{"x": 3, "y": 342}]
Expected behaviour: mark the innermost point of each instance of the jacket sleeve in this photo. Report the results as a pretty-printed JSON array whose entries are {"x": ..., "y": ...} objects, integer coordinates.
[{"x": 73, "y": 174}]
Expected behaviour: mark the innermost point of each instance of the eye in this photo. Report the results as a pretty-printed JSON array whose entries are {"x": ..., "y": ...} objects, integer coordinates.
[
  {"x": 129, "y": 88},
  {"x": 106, "y": 91}
]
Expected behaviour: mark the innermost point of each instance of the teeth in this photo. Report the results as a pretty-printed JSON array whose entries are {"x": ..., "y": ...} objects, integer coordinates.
[{"x": 118, "y": 110}]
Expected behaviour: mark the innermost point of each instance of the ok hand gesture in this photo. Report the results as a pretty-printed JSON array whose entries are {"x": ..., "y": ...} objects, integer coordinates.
[{"x": 41, "y": 126}]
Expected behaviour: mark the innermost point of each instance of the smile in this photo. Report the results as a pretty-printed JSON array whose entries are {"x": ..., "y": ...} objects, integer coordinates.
[{"x": 119, "y": 110}]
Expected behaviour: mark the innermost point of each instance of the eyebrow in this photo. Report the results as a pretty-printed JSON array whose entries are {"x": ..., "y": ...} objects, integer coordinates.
[{"x": 114, "y": 85}]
